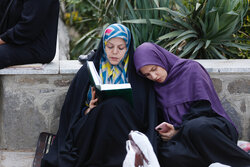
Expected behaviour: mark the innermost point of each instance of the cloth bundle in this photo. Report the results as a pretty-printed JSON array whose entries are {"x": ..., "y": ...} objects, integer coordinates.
[
  {"x": 140, "y": 152},
  {"x": 245, "y": 145}
]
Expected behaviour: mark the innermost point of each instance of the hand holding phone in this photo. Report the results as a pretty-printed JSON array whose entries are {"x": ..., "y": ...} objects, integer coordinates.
[
  {"x": 166, "y": 131},
  {"x": 164, "y": 127}
]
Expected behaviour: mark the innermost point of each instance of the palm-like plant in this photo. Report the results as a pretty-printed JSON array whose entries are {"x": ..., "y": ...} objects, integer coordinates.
[
  {"x": 205, "y": 28},
  {"x": 191, "y": 29},
  {"x": 146, "y": 24},
  {"x": 105, "y": 13}
]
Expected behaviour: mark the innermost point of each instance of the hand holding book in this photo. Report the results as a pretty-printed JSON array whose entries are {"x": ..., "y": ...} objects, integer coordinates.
[
  {"x": 93, "y": 101},
  {"x": 104, "y": 91}
]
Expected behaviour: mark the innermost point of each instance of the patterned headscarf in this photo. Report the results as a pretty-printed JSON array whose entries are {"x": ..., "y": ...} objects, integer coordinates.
[{"x": 115, "y": 73}]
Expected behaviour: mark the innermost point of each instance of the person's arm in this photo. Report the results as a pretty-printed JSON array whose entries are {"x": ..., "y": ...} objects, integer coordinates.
[
  {"x": 31, "y": 22},
  {"x": 1, "y": 41},
  {"x": 197, "y": 109}
]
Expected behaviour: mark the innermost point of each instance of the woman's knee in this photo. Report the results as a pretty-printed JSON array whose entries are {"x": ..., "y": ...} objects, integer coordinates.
[
  {"x": 198, "y": 127},
  {"x": 114, "y": 103},
  {"x": 113, "y": 107},
  {"x": 4, "y": 56}
]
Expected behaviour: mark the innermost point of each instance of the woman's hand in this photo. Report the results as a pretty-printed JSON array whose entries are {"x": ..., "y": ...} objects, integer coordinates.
[
  {"x": 166, "y": 131},
  {"x": 92, "y": 103},
  {"x": 1, "y": 41}
]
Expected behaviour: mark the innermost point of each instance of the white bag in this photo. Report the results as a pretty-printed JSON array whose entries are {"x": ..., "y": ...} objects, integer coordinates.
[
  {"x": 140, "y": 152},
  {"x": 218, "y": 165}
]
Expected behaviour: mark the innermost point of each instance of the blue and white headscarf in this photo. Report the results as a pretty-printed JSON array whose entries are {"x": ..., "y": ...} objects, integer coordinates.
[{"x": 115, "y": 73}]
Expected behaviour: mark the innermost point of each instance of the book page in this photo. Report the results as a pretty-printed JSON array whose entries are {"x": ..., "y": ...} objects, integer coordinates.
[
  {"x": 94, "y": 73},
  {"x": 114, "y": 86}
]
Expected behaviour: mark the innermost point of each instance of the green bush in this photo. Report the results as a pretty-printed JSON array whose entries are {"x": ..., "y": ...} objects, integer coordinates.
[
  {"x": 244, "y": 34},
  {"x": 102, "y": 14},
  {"x": 205, "y": 29},
  {"x": 133, "y": 14},
  {"x": 191, "y": 29}
]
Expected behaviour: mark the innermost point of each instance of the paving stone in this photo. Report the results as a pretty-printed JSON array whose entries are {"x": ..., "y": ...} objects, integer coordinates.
[{"x": 239, "y": 86}]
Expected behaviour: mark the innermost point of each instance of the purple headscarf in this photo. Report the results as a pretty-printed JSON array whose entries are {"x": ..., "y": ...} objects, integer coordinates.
[{"x": 187, "y": 80}]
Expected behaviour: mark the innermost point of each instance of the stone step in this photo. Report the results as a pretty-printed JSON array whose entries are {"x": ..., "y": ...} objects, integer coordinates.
[{"x": 16, "y": 158}]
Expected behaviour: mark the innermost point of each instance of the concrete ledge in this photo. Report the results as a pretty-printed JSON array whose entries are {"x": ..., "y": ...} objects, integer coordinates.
[
  {"x": 69, "y": 66},
  {"x": 51, "y": 68},
  {"x": 72, "y": 66},
  {"x": 212, "y": 66},
  {"x": 31, "y": 99},
  {"x": 226, "y": 66},
  {"x": 38, "y": 68}
]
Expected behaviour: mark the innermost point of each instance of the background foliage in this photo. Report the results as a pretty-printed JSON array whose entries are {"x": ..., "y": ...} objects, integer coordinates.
[
  {"x": 190, "y": 29},
  {"x": 203, "y": 29}
]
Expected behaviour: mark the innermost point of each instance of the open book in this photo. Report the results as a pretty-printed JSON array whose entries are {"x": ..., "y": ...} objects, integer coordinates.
[{"x": 104, "y": 91}]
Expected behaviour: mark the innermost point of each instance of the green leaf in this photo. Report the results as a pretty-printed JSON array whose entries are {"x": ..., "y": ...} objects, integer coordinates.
[
  {"x": 216, "y": 52},
  {"x": 152, "y": 21},
  {"x": 189, "y": 48},
  {"x": 210, "y": 18},
  {"x": 200, "y": 45},
  {"x": 172, "y": 12},
  {"x": 227, "y": 18},
  {"x": 240, "y": 46},
  {"x": 193, "y": 56},
  {"x": 156, "y": 3},
  {"x": 183, "y": 23},
  {"x": 203, "y": 27},
  {"x": 179, "y": 40},
  {"x": 228, "y": 52},
  {"x": 198, "y": 11},
  {"x": 94, "y": 5},
  {"x": 136, "y": 38},
  {"x": 171, "y": 34},
  {"x": 183, "y": 8},
  {"x": 226, "y": 32},
  {"x": 207, "y": 43},
  {"x": 121, "y": 9},
  {"x": 215, "y": 27},
  {"x": 86, "y": 35},
  {"x": 187, "y": 32},
  {"x": 131, "y": 9}
]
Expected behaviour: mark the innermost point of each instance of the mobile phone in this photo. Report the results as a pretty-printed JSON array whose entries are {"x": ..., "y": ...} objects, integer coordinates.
[{"x": 163, "y": 127}]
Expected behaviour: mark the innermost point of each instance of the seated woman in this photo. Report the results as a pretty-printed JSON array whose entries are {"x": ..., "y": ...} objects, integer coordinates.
[
  {"x": 95, "y": 135},
  {"x": 28, "y": 31},
  {"x": 196, "y": 131}
]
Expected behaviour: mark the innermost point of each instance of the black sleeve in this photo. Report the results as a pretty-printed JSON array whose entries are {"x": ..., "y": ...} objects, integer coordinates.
[
  {"x": 198, "y": 109},
  {"x": 160, "y": 115},
  {"x": 30, "y": 24}
]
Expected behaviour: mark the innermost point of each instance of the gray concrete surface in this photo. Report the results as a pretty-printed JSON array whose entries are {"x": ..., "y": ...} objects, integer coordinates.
[{"x": 16, "y": 158}]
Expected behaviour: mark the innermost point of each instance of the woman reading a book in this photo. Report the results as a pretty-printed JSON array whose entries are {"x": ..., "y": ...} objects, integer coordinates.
[
  {"x": 196, "y": 131},
  {"x": 92, "y": 132}
]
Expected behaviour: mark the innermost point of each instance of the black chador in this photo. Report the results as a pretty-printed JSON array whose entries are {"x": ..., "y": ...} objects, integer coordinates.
[{"x": 99, "y": 138}]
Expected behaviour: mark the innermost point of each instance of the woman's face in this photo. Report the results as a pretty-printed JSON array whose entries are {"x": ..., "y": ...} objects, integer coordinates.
[
  {"x": 154, "y": 73},
  {"x": 115, "y": 50}
]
